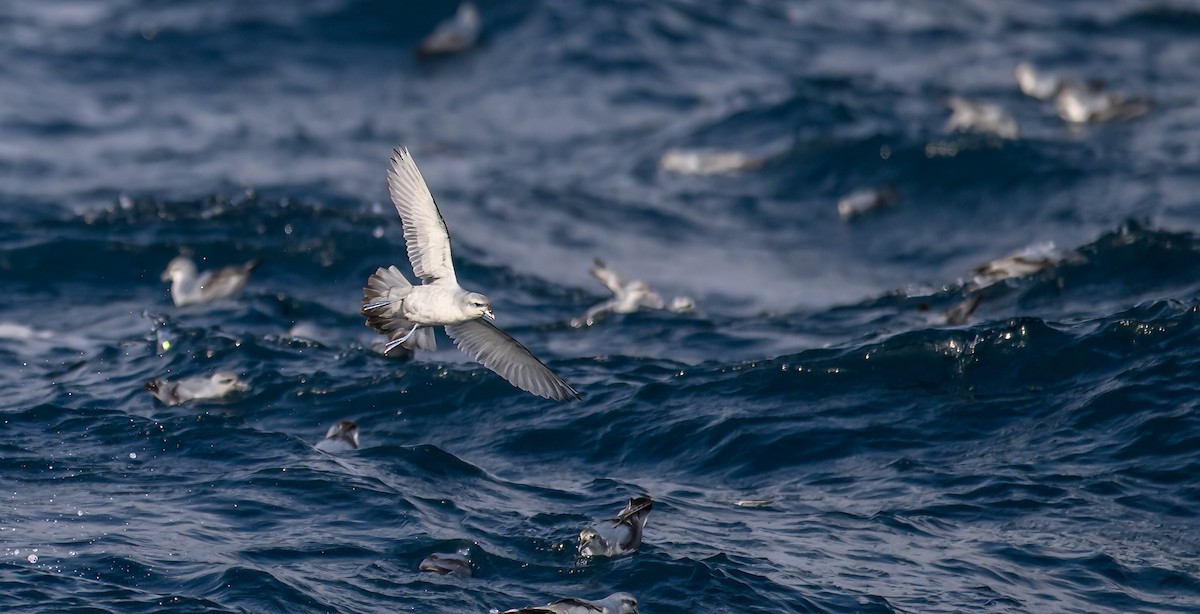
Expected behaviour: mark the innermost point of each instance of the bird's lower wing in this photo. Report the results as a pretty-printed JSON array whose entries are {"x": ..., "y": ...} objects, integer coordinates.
[{"x": 497, "y": 351}]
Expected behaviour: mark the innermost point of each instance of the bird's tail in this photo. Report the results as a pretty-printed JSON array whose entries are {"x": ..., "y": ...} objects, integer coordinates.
[{"x": 385, "y": 287}]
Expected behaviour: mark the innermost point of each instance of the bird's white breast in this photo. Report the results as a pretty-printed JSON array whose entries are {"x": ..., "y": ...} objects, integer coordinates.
[{"x": 435, "y": 306}]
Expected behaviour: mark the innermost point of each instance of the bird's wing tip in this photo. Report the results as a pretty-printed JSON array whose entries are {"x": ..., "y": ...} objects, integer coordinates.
[{"x": 567, "y": 396}]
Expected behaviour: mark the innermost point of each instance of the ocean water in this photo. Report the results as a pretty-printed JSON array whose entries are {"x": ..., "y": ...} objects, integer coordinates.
[{"x": 1040, "y": 457}]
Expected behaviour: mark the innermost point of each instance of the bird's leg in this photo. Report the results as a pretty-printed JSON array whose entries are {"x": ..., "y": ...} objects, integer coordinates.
[
  {"x": 376, "y": 305},
  {"x": 394, "y": 342}
]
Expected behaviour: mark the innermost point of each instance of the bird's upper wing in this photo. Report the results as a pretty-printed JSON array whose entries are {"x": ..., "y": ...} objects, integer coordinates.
[
  {"x": 607, "y": 276},
  {"x": 424, "y": 229},
  {"x": 571, "y": 604},
  {"x": 504, "y": 355},
  {"x": 223, "y": 282}
]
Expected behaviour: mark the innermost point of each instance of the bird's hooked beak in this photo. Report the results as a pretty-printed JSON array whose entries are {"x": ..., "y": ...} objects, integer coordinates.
[{"x": 487, "y": 313}]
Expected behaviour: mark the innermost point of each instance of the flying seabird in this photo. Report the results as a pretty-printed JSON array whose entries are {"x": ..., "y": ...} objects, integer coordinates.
[
  {"x": 456, "y": 34},
  {"x": 628, "y": 296},
  {"x": 407, "y": 313}
]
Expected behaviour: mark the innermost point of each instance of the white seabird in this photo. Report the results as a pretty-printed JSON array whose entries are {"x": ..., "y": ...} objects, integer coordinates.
[
  {"x": 628, "y": 296},
  {"x": 866, "y": 200},
  {"x": 616, "y": 603},
  {"x": 1030, "y": 260},
  {"x": 982, "y": 117},
  {"x": 201, "y": 388},
  {"x": 620, "y": 535},
  {"x": 189, "y": 287},
  {"x": 341, "y": 437},
  {"x": 407, "y": 313},
  {"x": 456, "y": 34},
  {"x": 1038, "y": 85},
  {"x": 682, "y": 304},
  {"x": 1079, "y": 103},
  {"x": 457, "y": 563},
  {"x": 1092, "y": 103},
  {"x": 689, "y": 162}
]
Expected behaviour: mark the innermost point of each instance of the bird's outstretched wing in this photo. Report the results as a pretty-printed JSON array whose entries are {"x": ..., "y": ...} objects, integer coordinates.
[
  {"x": 605, "y": 275},
  {"x": 424, "y": 229},
  {"x": 508, "y": 358}
]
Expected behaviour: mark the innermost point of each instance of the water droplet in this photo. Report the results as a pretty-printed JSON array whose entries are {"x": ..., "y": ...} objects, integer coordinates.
[
  {"x": 33, "y": 558},
  {"x": 133, "y": 455},
  {"x": 378, "y": 232},
  {"x": 287, "y": 230}
]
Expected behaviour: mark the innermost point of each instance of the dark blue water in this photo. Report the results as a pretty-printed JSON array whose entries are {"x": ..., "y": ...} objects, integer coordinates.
[{"x": 1043, "y": 457}]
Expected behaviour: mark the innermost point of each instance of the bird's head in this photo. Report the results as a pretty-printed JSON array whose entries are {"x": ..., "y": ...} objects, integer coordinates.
[
  {"x": 590, "y": 542},
  {"x": 181, "y": 266},
  {"x": 479, "y": 306},
  {"x": 626, "y": 604}
]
